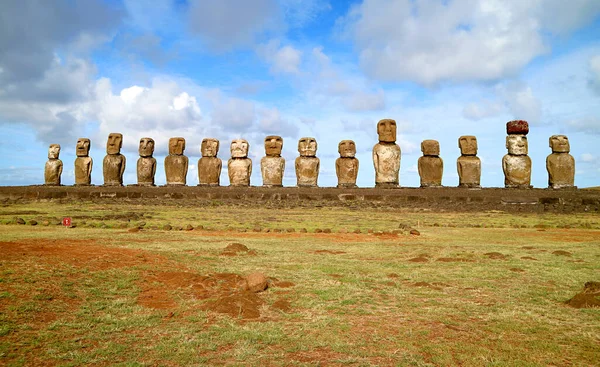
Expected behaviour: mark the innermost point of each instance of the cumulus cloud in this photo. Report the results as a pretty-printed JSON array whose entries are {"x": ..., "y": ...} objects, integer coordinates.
[
  {"x": 587, "y": 157},
  {"x": 587, "y": 124},
  {"x": 521, "y": 102},
  {"x": 284, "y": 59},
  {"x": 272, "y": 122},
  {"x": 594, "y": 81},
  {"x": 477, "y": 111},
  {"x": 433, "y": 41}
]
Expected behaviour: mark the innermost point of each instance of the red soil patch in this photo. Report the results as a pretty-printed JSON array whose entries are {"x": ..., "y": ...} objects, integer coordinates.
[
  {"x": 496, "y": 255},
  {"x": 517, "y": 270},
  {"x": 278, "y": 284},
  {"x": 419, "y": 259},
  {"x": 561, "y": 253},
  {"x": 235, "y": 248},
  {"x": 282, "y": 305},
  {"x": 588, "y": 298},
  {"x": 328, "y": 252}
]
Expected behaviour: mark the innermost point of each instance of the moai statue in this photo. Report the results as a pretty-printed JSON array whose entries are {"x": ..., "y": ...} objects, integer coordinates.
[
  {"x": 386, "y": 155},
  {"x": 114, "y": 162},
  {"x": 431, "y": 166},
  {"x": 346, "y": 166},
  {"x": 272, "y": 166},
  {"x": 83, "y": 163},
  {"x": 307, "y": 164},
  {"x": 239, "y": 166},
  {"x": 176, "y": 164},
  {"x": 517, "y": 164},
  {"x": 468, "y": 164},
  {"x": 209, "y": 166},
  {"x": 54, "y": 166},
  {"x": 560, "y": 164},
  {"x": 146, "y": 164}
]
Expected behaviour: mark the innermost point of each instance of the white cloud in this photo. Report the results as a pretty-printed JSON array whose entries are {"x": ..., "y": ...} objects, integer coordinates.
[
  {"x": 271, "y": 122},
  {"x": 285, "y": 59},
  {"x": 595, "y": 71},
  {"x": 478, "y": 111},
  {"x": 433, "y": 41},
  {"x": 587, "y": 157},
  {"x": 587, "y": 124},
  {"x": 521, "y": 102}
]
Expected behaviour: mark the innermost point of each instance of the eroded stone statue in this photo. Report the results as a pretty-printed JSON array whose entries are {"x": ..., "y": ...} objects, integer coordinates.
[
  {"x": 386, "y": 155},
  {"x": 209, "y": 166},
  {"x": 239, "y": 166},
  {"x": 114, "y": 162},
  {"x": 346, "y": 166},
  {"x": 431, "y": 166},
  {"x": 468, "y": 164},
  {"x": 307, "y": 164},
  {"x": 54, "y": 166},
  {"x": 560, "y": 164},
  {"x": 176, "y": 164},
  {"x": 272, "y": 166},
  {"x": 83, "y": 163},
  {"x": 146, "y": 164},
  {"x": 517, "y": 164}
]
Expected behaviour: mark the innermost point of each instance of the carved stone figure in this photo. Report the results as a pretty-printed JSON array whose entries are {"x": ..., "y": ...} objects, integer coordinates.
[
  {"x": 346, "y": 166},
  {"x": 272, "y": 166},
  {"x": 54, "y": 166},
  {"x": 431, "y": 166},
  {"x": 239, "y": 166},
  {"x": 176, "y": 164},
  {"x": 83, "y": 163},
  {"x": 517, "y": 164},
  {"x": 468, "y": 164},
  {"x": 114, "y": 162},
  {"x": 146, "y": 164},
  {"x": 209, "y": 166},
  {"x": 386, "y": 155},
  {"x": 307, "y": 164},
  {"x": 560, "y": 164}
]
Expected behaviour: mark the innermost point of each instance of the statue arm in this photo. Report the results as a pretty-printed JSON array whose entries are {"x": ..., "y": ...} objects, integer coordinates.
[
  {"x": 123, "y": 167},
  {"x": 375, "y": 160},
  {"x": 153, "y": 168},
  {"x": 419, "y": 166},
  {"x": 249, "y": 167},
  {"x": 89, "y": 170},
  {"x": 60, "y": 168},
  {"x": 337, "y": 167},
  {"x": 357, "y": 167}
]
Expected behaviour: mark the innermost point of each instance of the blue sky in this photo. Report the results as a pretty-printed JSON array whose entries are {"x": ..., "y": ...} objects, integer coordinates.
[{"x": 328, "y": 69}]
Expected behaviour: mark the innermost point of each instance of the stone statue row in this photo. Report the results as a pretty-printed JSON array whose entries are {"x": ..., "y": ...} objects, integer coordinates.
[{"x": 386, "y": 159}]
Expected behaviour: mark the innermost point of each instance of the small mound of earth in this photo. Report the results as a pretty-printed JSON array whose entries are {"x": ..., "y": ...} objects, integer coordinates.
[
  {"x": 283, "y": 284},
  {"x": 282, "y": 305},
  {"x": 393, "y": 275},
  {"x": 561, "y": 253},
  {"x": 588, "y": 298},
  {"x": 517, "y": 270},
  {"x": 328, "y": 252},
  {"x": 496, "y": 255},
  {"x": 419, "y": 259},
  {"x": 244, "y": 305},
  {"x": 529, "y": 258},
  {"x": 453, "y": 259},
  {"x": 235, "y": 248}
]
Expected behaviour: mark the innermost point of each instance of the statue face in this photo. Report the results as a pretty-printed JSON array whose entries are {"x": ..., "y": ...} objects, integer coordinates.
[
  {"x": 430, "y": 147},
  {"x": 146, "y": 147},
  {"x": 560, "y": 144},
  {"x": 239, "y": 148},
  {"x": 516, "y": 144},
  {"x": 307, "y": 147},
  {"x": 273, "y": 145},
  {"x": 83, "y": 147},
  {"x": 467, "y": 145},
  {"x": 347, "y": 149},
  {"x": 209, "y": 147},
  {"x": 53, "y": 151},
  {"x": 114, "y": 143},
  {"x": 176, "y": 146},
  {"x": 386, "y": 129}
]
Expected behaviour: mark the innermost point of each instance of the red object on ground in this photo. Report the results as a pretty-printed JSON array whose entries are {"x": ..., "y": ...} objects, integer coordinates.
[{"x": 66, "y": 221}]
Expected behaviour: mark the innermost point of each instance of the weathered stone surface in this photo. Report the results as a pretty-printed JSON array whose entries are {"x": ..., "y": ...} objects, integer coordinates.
[
  {"x": 54, "y": 166},
  {"x": 307, "y": 164},
  {"x": 386, "y": 155},
  {"x": 83, "y": 163},
  {"x": 520, "y": 127},
  {"x": 176, "y": 164},
  {"x": 257, "y": 282},
  {"x": 516, "y": 164},
  {"x": 431, "y": 166},
  {"x": 114, "y": 162},
  {"x": 209, "y": 166},
  {"x": 272, "y": 166},
  {"x": 468, "y": 164},
  {"x": 560, "y": 164},
  {"x": 239, "y": 167},
  {"x": 346, "y": 166},
  {"x": 146, "y": 164}
]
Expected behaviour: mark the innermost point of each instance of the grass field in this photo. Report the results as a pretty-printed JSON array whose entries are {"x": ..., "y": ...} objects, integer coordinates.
[{"x": 476, "y": 289}]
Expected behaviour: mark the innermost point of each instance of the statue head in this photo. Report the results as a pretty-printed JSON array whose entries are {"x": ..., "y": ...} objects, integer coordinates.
[
  {"x": 146, "y": 148},
  {"x": 467, "y": 145},
  {"x": 239, "y": 148},
  {"x": 83, "y": 147},
  {"x": 516, "y": 144},
  {"x": 559, "y": 144},
  {"x": 209, "y": 147},
  {"x": 386, "y": 129},
  {"x": 114, "y": 143},
  {"x": 307, "y": 147},
  {"x": 430, "y": 147},
  {"x": 53, "y": 151},
  {"x": 176, "y": 146},
  {"x": 273, "y": 145},
  {"x": 347, "y": 149}
]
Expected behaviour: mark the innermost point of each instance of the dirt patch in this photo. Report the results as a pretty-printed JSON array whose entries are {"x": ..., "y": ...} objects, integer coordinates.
[
  {"x": 496, "y": 255},
  {"x": 561, "y": 253},
  {"x": 282, "y": 305},
  {"x": 328, "y": 252},
  {"x": 393, "y": 275},
  {"x": 588, "y": 298},
  {"x": 278, "y": 284},
  {"x": 419, "y": 259},
  {"x": 529, "y": 258},
  {"x": 453, "y": 259},
  {"x": 517, "y": 270},
  {"x": 235, "y": 248}
]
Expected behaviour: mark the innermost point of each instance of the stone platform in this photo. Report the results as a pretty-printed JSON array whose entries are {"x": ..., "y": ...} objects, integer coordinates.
[{"x": 442, "y": 199}]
